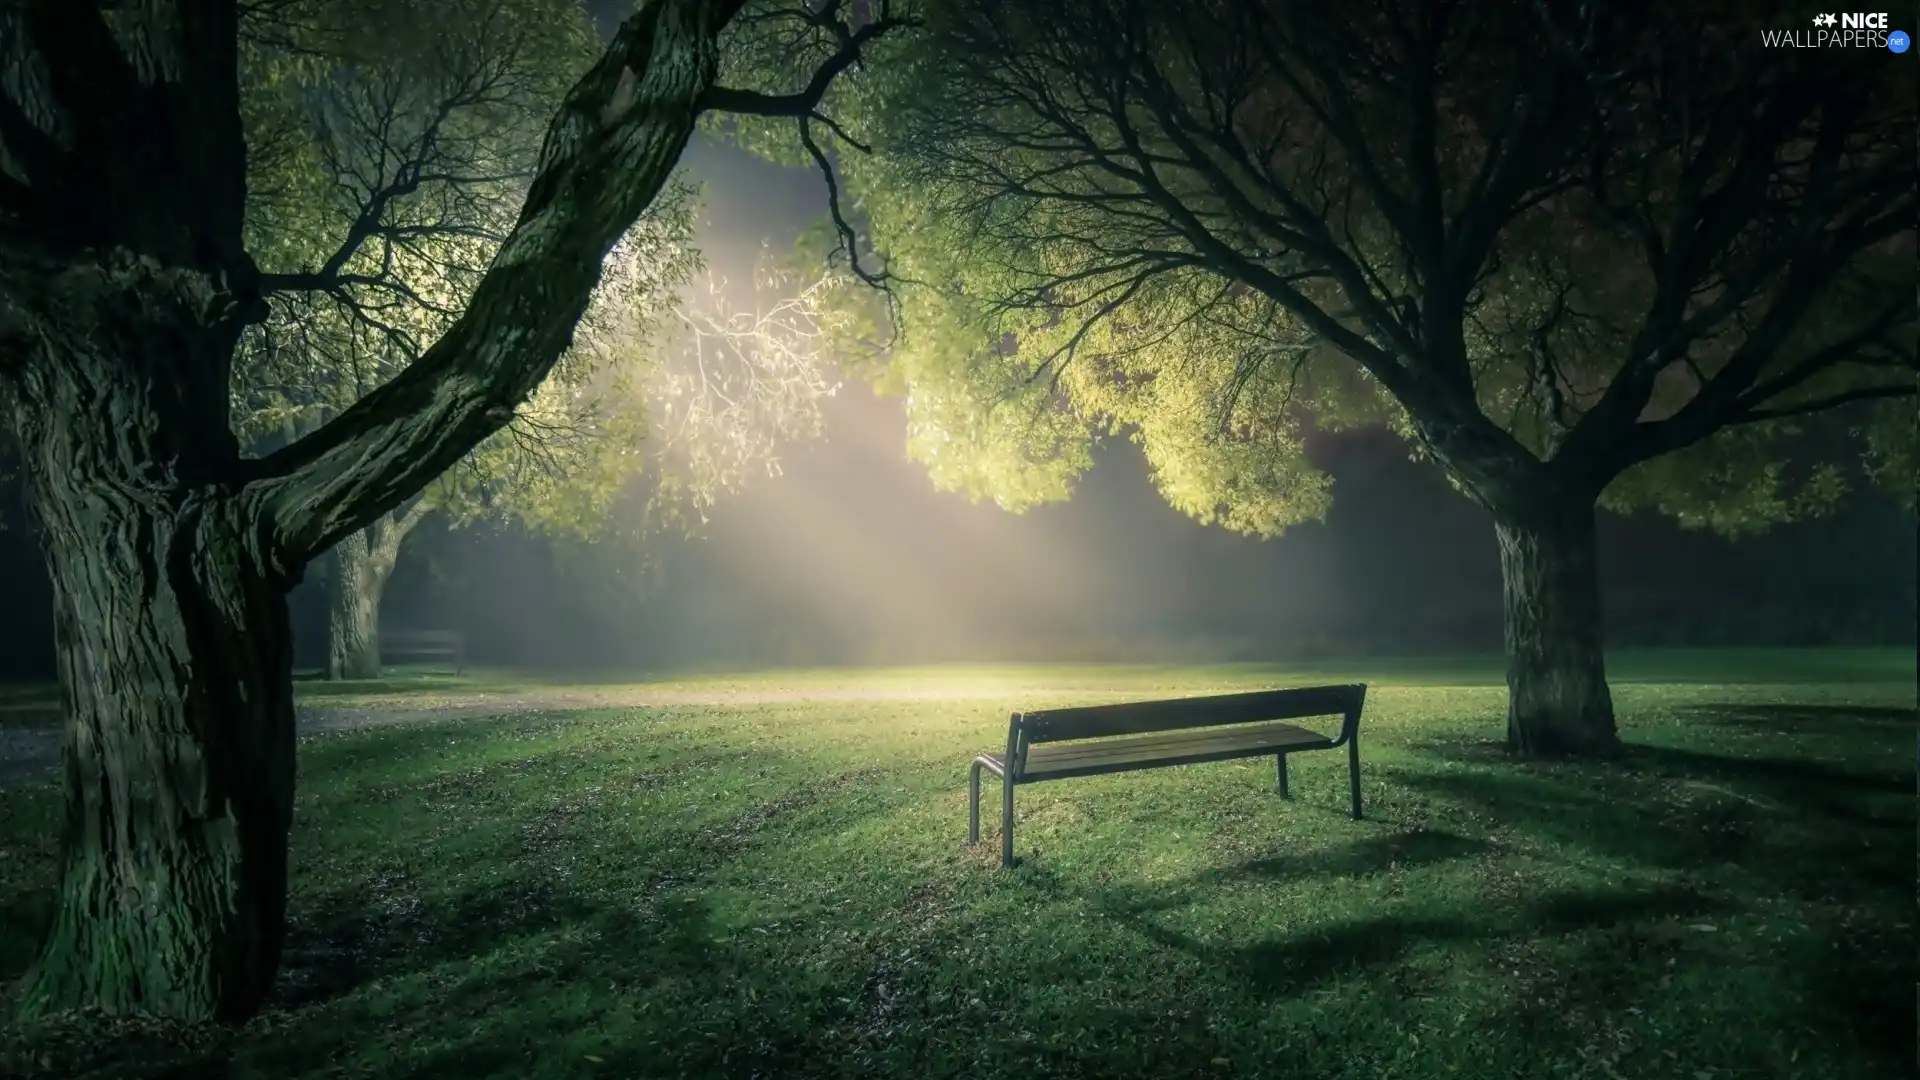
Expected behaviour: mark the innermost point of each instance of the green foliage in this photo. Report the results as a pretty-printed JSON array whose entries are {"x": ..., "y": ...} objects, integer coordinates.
[
  {"x": 1889, "y": 434},
  {"x": 1739, "y": 482},
  {"x": 1078, "y": 243},
  {"x": 393, "y": 142},
  {"x": 393, "y": 139}
]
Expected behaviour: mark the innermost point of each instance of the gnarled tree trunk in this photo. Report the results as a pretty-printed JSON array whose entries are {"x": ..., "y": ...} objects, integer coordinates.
[
  {"x": 124, "y": 286},
  {"x": 1558, "y": 701},
  {"x": 175, "y": 655},
  {"x": 174, "y": 649}
]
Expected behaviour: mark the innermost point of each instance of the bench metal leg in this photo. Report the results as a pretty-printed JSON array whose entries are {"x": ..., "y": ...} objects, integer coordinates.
[
  {"x": 1282, "y": 769},
  {"x": 973, "y": 804},
  {"x": 1006, "y": 819},
  {"x": 1353, "y": 772}
]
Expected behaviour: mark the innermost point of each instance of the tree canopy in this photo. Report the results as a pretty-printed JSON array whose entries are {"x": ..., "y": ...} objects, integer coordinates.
[
  {"x": 1187, "y": 223},
  {"x": 130, "y": 282},
  {"x": 394, "y": 141},
  {"x": 1571, "y": 253}
]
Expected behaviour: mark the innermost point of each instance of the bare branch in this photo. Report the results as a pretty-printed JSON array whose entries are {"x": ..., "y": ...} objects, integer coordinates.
[{"x": 849, "y": 239}]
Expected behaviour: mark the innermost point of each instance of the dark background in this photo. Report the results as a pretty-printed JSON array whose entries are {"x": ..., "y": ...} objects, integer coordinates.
[{"x": 850, "y": 556}]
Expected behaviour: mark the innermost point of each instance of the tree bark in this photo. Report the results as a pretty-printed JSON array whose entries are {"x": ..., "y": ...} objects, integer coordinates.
[
  {"x": 174, "y": 651},
  {"x": 353, "y": 610},
  {"x": 174, "y": 661},
  {"x": 1558, "y": 701}
]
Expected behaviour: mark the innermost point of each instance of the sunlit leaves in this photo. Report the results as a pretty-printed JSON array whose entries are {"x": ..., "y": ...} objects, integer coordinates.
[
  {"x": 1201, "y": 225},
  {"x": 393, "y": 142},
  {"x": 389, "y": 144}
]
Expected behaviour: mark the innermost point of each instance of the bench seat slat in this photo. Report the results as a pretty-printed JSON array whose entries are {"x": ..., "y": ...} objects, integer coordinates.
[{"x": 1055, "y": 761}]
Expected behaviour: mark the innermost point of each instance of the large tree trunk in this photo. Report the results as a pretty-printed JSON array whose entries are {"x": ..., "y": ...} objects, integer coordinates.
[
  {"x": 124, "y": 285},
  {"x": 175, "y": 662},
  {"x": 353, "y": 610},
  {"x": 1558, "y": 702}
]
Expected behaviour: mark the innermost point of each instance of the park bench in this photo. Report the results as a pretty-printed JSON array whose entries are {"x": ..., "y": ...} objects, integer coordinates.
[
  {"x": 1059, "y": 744},
  {"x": 424, "y": 645}
]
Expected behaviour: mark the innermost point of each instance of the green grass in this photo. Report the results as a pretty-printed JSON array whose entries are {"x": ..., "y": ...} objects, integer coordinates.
[
  {"x": 36, "y": 706},
  {"x": 780, "y": 890}
]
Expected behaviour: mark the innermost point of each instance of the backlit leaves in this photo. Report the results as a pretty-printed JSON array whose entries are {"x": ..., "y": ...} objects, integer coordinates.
[
  {"x": 394, "y": 142},
  {"x": 1199, "y": 226}
]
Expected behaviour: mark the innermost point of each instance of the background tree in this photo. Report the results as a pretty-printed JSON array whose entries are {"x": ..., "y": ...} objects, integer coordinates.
[
  {"x": 1571, "y": 253},
  {"x": 128, "y": 281},
  {"x": 395, "y": 145}
]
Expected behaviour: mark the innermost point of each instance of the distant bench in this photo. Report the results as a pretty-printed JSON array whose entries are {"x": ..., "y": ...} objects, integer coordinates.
[
  {"x": 424, "y": 645},
  {"x": 1059, "y": 744}
]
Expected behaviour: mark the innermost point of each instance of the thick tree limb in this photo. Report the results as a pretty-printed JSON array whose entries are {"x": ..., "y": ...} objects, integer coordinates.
[
  {"x": 608, "y": 154},
  {"x": 129, "y": 135},
  {"x": 88, "y": 74}
]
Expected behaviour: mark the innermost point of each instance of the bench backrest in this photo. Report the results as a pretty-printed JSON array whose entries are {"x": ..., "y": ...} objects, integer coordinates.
[
  {"x": 420, "y": 641},
  {"x": 1179, "y": 714}
]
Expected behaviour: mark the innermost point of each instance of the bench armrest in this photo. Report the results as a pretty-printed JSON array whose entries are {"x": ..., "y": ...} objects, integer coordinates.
[{"x": 1350, "y": 723}]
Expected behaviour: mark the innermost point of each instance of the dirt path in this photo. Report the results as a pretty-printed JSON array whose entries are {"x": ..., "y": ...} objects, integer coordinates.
[{"x": 26, "y": 755}]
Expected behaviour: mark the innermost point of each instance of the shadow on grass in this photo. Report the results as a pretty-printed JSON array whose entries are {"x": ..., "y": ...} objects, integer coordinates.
[
  {"x": 1834, "y": 838},
  {"x": 1815, "y": 833},
  {"x": 1295, "y": 964},
  {"x": 381, "y": 928},
  {"x": 1403, "y": 851},
  {"x": 638, "y": 962},
  {"x": 385, "y": 956},
  {"x": 1787, "y": 719}
]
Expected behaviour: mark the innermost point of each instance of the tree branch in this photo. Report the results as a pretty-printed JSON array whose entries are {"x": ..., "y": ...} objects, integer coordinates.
[
  {"x": 88, "y": 74},
  {"x": 608, "y": 153},
  {"x": 407, "y": 174},
  {"x": 1844, "y": 397},
  {"x": 806, "y": 102},
  {"x": 1845, "y": 349},
  {"x": 1801, "y": 192},
  {"x": 849, "y": 239}
]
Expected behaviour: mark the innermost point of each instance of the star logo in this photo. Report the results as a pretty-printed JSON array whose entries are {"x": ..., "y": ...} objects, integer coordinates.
[{"x": 1824, "y": 20}]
